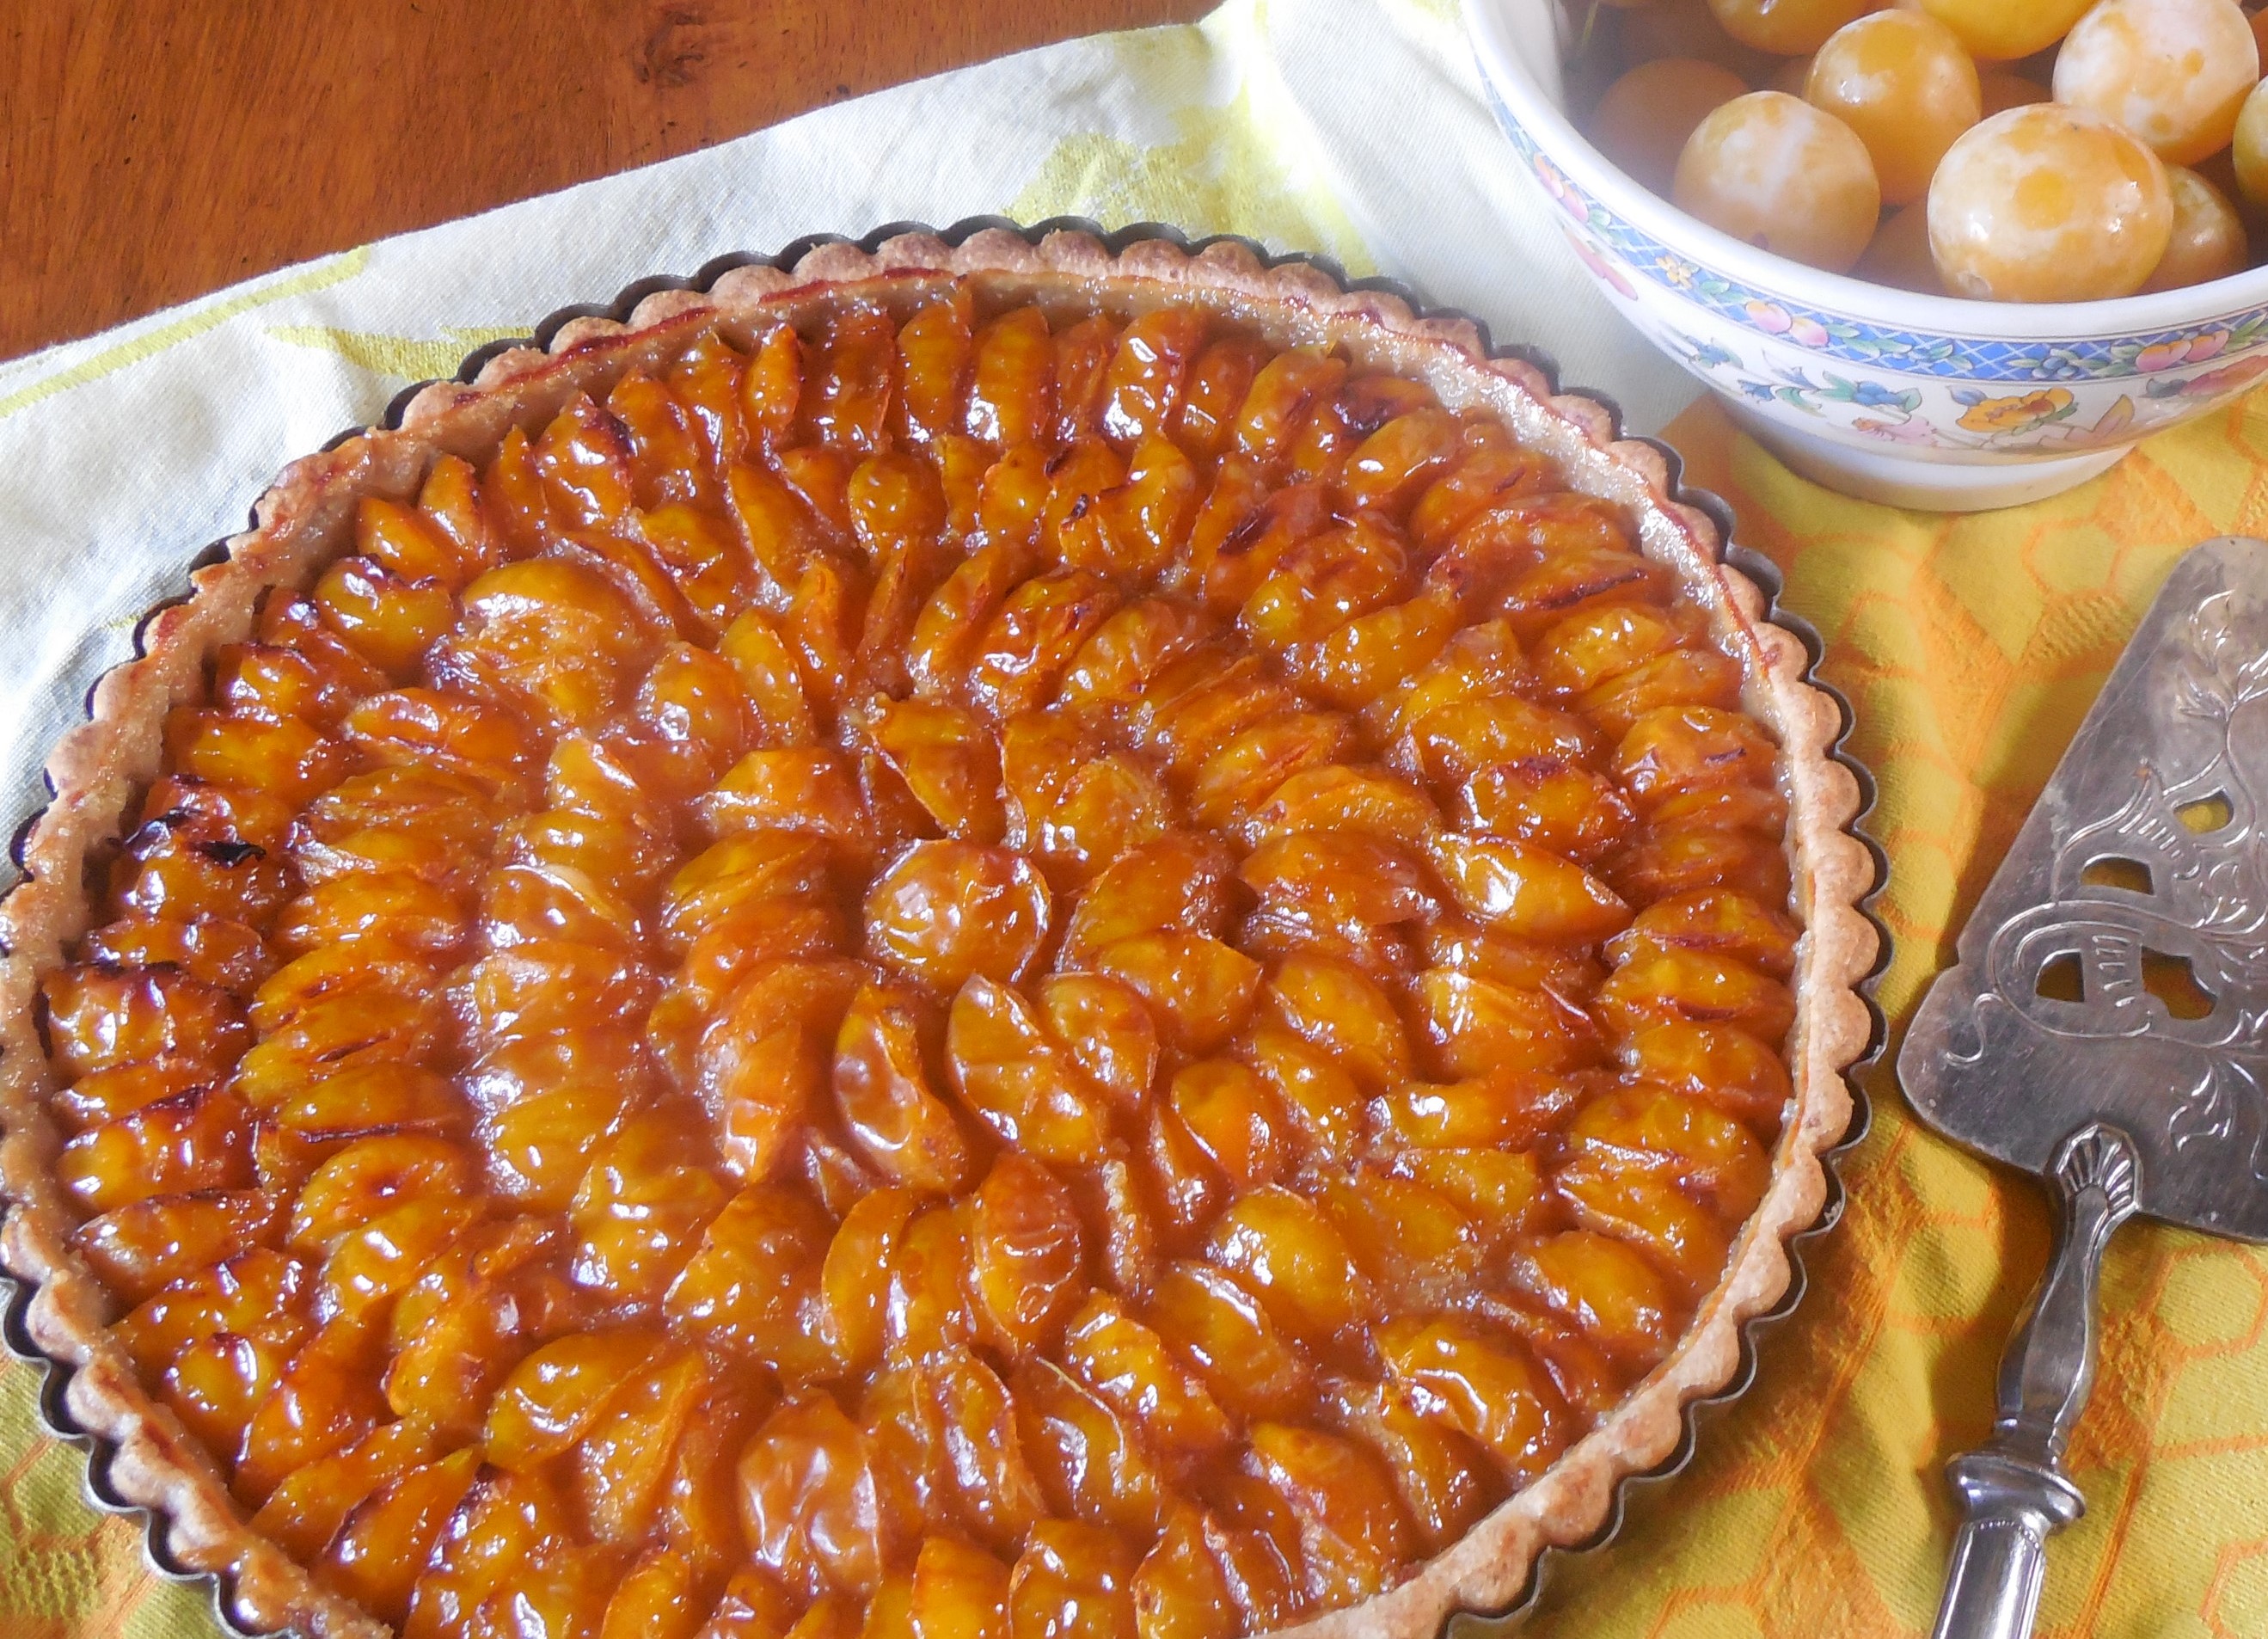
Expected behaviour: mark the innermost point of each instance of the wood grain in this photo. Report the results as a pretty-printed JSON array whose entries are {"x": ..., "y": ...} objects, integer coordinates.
[{"x": 150, "y": 150}]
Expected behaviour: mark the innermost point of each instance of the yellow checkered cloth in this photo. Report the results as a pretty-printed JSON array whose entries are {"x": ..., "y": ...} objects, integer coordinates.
[{"x": 1969, "y": 648}]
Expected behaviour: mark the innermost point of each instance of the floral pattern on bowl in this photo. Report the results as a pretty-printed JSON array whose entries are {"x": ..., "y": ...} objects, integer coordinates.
[{"x": 1822, "y": 361}]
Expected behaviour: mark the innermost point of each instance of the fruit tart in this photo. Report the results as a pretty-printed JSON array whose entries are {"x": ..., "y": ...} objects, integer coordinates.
[{"x": 969, "y": 939}]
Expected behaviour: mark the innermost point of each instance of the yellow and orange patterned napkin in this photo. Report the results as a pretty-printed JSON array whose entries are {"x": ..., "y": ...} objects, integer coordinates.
[{"x": 1970, "y": 648}]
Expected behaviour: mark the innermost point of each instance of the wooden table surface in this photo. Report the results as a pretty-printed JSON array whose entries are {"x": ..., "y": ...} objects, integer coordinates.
[{"x": 151, "y": 150}]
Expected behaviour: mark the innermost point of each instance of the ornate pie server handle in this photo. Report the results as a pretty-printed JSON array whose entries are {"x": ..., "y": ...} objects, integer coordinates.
[{"x": 2012, "y": 1492}]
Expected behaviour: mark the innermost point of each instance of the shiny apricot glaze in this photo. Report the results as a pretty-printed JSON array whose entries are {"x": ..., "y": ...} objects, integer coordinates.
[{"x": 961, "y": 974}]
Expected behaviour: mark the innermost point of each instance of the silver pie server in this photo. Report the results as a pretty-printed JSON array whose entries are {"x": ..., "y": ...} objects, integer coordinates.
[{"x": 2106, "y": 1026}]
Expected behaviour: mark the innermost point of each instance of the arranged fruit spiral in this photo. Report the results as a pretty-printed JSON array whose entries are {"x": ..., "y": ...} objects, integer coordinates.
[{"x": 968, "y": 972}]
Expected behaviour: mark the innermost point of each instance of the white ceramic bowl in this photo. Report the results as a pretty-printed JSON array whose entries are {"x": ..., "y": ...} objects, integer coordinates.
[{"x": 1919, "y": 401}]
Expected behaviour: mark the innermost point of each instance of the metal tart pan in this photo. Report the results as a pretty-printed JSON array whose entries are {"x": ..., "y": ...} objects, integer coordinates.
[{"x": 1633, "y": 1495}]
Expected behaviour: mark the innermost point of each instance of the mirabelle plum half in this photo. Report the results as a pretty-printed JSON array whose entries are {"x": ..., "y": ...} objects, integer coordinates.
[{"x": 956, "y": 970}]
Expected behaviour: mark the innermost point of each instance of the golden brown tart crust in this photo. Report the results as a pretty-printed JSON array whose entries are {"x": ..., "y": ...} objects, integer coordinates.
[{"x": 98, "y": 770}]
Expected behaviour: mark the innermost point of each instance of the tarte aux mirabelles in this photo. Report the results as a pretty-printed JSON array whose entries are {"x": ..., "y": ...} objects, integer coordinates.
[{"x": 982, "y": 939}]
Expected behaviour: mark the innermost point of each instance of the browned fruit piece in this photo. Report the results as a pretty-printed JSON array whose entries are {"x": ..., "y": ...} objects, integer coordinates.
[
  {"x": 1128, "y": 650},
  {"x": 1107, "y": 1029},
  {"x": 1682, "y": 749},
  {"x": 946, "y": 911},
  {"x": 1126, "y": 1362},
  {"x": 1025, "y": 649},
  {"x": 259, "y": 1293},
  {"x": 138, "y": 1248},
  {"x": 1290, "y": 1257},
  {"x": 98, "y": 1020},
  {"x": 658, "y": 1597},
  {"x": 380, "y": 1550},
  {"x": 1083, "y": 352},
  {"x": 550, "y": 985},
  {"x": 1550, "y": 801},
  {"x": 1074, "y": 1582},
  {"x": 1180, "y": 1591},
  {"x": 755, "y": 1279},
  {"x": 210, "y": 949},
  {"x": 1089, "y": 1458},
  {"x": 1025, "y": 1253},
  {"x": 817, "y": 1506},
  {"x": 1360, "y": 662},
  {"x": 1140, "y": 526},
  {"x": 1658, "y": 987},
  {"x": 199, "y": 1140},
  {"x": 957, "y": 1593},
  {"x": 1606, "y": 1291},
  {"x": 620, "y": 1465},
  {"x": 307, "y": 1508},
  {"x": 1278, "y": 399},
  {"x": 1352, "y": 1531},
  {"x": 1199, "y": 988},
  {"x": 1021, "y": 1082},
  {"x": 881, "y": 1088},
  {"x": 1257, "y": 1544},
  {"x": 1444, "y": 1478}
]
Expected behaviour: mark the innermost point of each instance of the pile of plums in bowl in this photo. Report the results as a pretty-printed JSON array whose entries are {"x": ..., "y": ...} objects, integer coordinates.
[
  {"x": 1954, "y": 252},
  {"x": 2045, "y": 151}
]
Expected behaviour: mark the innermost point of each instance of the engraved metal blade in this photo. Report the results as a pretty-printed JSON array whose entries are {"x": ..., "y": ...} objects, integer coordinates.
[{"x": 2117, "y": 969}]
